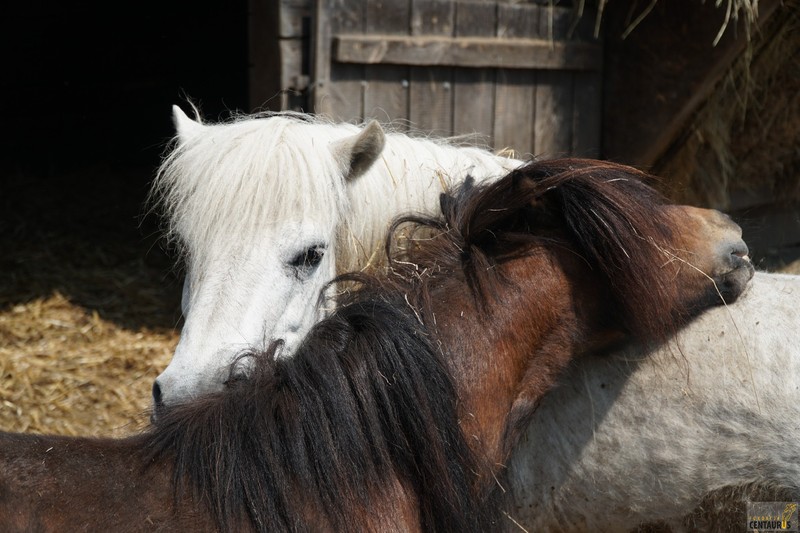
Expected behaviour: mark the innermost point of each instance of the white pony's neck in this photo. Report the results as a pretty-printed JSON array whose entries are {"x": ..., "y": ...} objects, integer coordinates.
[{"x": 408, "y": 178}]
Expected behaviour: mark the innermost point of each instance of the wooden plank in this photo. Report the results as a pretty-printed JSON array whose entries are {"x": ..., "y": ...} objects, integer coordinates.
[
  {"x": 386, "y": 92},
  {"x": 337, "y": 91},
  {"x": 554, "y": 94},
  {"x": 515, "y": 94},
  {"x": 386, "y": 95},
  {"x": 293, "y": 80},
  {"x": 292, "y": 13},
  {"x": 432, "y": 17},
  {"x": 587, "y": 92},
  {"x": 514, "y": 112},
  {"x": 473, "y": 89},
  {"x": 291, "y": 63},
  {"x": 472, "y": 52},
  {"x": 518, "y": 21},
  {"x": 587, "y": 114},
  {"x": 430, "y": 90},
  {"x": 553, "y": 127},
  {"x": 555, "y": 23}
]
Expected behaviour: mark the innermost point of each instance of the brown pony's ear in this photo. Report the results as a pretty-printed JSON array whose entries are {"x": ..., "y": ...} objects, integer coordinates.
[
  {"x": 359, "y": 152},
  {"x": 504, "y": 213},
  {"x": 543, "y": 214},
  {"x": 535, "y": 214}
]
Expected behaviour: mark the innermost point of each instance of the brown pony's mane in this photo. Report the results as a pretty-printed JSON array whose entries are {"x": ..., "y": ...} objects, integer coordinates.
[
  {"x": 368, "y": 396},
  {"x": 365, "y": 400},
  {"x": 602, "y": 211}
]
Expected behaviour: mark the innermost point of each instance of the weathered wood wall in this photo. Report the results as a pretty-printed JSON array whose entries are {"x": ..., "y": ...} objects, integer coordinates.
[
  {"x": 517, "y": 74},
  {"x": 509, "y": 72},
  {"x": 279, "y": 37}
]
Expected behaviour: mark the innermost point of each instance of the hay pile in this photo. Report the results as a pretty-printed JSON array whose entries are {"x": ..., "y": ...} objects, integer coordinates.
[
  {"x": 65, "y": 370},
  {"x": 89, "y": 304},
  {"x": 746, "y": 138}
]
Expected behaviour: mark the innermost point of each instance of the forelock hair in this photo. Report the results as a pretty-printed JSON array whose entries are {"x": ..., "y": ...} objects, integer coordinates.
[{"x": 222, "y": 186}]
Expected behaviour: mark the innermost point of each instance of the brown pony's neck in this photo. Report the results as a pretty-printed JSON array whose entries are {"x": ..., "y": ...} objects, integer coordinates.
[
  {"x": 529, "y": 329},
  {"x": 533, "y": 270}
]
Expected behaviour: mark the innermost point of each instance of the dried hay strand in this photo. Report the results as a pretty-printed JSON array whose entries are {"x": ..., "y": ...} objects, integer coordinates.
[
  {"x": 747, "y": 10},
  {"x": 745, "y": 137},
  {"x": 88, "y": 303}
]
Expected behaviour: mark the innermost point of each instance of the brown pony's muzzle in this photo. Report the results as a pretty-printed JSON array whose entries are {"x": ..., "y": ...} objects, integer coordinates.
[
  {"x": 735, "y": 269},
  {"x": 733, "y": 282},
  {"x": 726, "y": 261}
]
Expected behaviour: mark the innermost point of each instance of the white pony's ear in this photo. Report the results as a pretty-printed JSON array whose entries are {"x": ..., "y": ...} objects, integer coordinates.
[
  {"x": 185, "y": 126},
  {"x": 357, "y": 153}
]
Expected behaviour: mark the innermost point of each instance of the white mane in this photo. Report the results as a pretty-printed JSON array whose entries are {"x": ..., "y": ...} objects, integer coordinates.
[
  {"x": 221, "y": 186},
  {"x": 227, "y": 182}
]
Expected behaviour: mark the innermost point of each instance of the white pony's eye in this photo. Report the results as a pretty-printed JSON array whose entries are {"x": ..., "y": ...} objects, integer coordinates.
[{"x": 307, "y": 261}]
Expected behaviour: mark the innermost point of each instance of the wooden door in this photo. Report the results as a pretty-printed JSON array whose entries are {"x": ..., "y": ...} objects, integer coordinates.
[{"x": 523, "y": 76}]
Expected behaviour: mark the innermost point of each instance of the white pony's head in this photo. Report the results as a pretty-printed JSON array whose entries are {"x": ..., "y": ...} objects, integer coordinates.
[{"x": 256, "y": 220}]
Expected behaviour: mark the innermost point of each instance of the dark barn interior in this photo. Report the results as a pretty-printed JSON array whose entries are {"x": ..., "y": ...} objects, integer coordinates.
[
  {"x": 87, "y": 93},
  {"x": 85, "y": 82}
]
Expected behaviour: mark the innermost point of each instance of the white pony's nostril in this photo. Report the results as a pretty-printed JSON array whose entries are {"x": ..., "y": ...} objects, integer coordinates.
[{"x": 158, "y": 400}]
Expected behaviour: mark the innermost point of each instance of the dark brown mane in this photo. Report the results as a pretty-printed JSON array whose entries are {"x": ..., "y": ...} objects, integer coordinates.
[
  {"x": 365, "y": 399},
  {"x": 602, "y": 211}
]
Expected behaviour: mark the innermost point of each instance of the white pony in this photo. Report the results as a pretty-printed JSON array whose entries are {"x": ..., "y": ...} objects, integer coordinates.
[
  {"x": 267, "y": 210},
  {"x": 641, "y": 437}
]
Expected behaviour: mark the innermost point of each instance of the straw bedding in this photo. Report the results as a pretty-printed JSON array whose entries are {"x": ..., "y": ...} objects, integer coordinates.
[
  {"x": 89, "y": 304},
  {"x": 66, "y": 370}
]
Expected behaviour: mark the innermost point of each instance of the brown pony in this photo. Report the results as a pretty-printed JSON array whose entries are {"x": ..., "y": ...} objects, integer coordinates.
[{"x": 397, "y": 411}]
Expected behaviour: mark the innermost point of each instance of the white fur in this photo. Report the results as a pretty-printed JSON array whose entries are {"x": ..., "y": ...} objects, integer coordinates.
[
  {"x": 638, "y": 437},
  {"x": 246, "y": 197}
]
